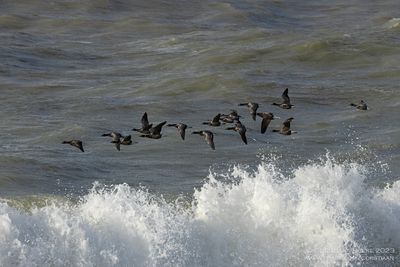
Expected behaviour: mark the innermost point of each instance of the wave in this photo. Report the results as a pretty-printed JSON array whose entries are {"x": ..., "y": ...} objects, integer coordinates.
[
  {"x": 319, "y": 214},
  {"x": 393, "y": 23}
]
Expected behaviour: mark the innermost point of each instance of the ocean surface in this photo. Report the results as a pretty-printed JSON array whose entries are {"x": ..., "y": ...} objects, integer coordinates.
[{"x": 328, "y": 195}]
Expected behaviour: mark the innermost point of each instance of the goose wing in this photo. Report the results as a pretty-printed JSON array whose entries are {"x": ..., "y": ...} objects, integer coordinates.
[
  {"x": 264, "y": 124},
  {"x": 285, "y": 96},
  {"x": 145, "y": 121},
  {"x": 286, "y": 125},
  {"x": 182, "y": 130},
  {"x": 210, "y": 139},
  {"x": 157, "y": 129},
  {"x": 242, "y": 132},
  {"x": 216, "y": 118}
]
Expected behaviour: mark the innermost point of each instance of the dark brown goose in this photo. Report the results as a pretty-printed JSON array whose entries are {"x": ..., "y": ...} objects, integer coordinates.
[
  {"x": 155, "y": 132},
  {"x": 75, "y": 143},
  {"x": 286, "y": 100},
  {"x": 116, "y": 139},
  {"x": 208, "y": 136},
  {"x": 361, "y": 106},
  {"x": 181, "y": 128},
  {"x": 285, "y": 130},
  {"x": 215, "y": 121},
  {"x": 267, "y": 117},
  {"x": 252, "y": 108},
  {"x": 241, "y": 129},
  {"x": 231, "y": 117},
  {"x": 145, "y": 125},
  {"x": 126, "y": 140}
]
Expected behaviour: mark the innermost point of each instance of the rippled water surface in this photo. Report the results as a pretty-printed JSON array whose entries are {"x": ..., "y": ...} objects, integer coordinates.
[{"x": 78, "y": 69}]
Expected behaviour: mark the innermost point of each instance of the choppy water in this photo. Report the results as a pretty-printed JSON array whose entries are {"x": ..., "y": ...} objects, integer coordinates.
[{"x": 75, "y": 69}]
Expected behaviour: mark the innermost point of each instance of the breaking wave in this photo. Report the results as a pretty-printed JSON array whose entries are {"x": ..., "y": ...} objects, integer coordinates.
[{"x": 319, "y": 214}]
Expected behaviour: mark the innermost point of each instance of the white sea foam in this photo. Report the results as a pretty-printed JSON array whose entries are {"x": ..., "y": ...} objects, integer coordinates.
[
  {"x": 322, "y": 214},
  {"x": 393, "y": 23}
]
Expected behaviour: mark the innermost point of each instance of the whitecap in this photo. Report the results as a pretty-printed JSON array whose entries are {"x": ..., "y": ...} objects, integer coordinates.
[{"x": 320, "y": 214}]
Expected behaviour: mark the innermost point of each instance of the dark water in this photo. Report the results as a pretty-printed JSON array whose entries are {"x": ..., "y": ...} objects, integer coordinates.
[{"x": 77, "y": 69}]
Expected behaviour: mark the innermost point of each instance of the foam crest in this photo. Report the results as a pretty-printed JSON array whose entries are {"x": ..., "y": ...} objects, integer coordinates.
[
  {"x": 284, "y": 222},
  {"x": 320, "y": 214},
  {"x": 392, "y": 23}
]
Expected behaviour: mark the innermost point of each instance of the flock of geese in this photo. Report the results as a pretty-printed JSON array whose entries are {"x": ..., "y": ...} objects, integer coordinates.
[{"x": 154, "y": 132}]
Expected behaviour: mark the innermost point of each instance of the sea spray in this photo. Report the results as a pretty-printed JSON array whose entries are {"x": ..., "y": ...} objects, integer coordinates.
[
  {"x": 321, "y": 214},
  {"x": 281, "y": 222}
]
